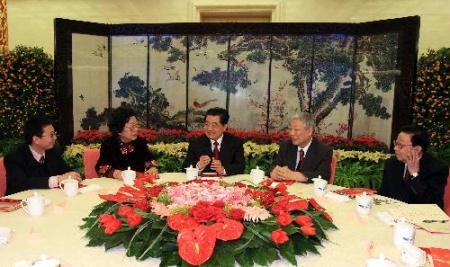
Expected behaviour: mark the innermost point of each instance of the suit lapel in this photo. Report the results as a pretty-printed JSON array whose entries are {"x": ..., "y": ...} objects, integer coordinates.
[
  {"x": 30, "y": 160},
  {"x": 206, "y": 146},
  {"x": 308, "y": 161},
  {"x": 292, "y": 157},
  {"x": 223, "y": 148}
]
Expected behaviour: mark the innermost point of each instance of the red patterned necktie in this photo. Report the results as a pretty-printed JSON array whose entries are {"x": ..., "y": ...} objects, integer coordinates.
[
  {"x": 301, "y": 156},
  {"x": 42, "y": 160},
  {"x": 216, "y": 151}
]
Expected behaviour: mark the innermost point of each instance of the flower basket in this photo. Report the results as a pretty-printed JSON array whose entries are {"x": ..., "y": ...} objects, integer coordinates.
[{"x": 208, "y": 223}]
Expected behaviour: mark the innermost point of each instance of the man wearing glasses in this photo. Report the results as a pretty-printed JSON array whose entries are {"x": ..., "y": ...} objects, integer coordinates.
[
  {"x": 37, "y": 163},
  {"x": 216, "y": 151},
  {"x": 414, "y": 176}
]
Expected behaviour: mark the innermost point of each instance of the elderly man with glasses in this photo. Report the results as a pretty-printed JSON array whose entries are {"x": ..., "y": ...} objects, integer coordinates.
[
  {"x": 414, "y": 175},
  {"x": 303, "y": 157},
  {"x": 37, "y": 163}
]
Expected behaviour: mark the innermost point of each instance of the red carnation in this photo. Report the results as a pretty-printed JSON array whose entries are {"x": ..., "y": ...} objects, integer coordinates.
[
  {"x": 284, "y": 218},
  {"x": 266, "y": 182},
  {"x": 281, "y": 187},
  {"x": 142, "y": 204},
  {"x": 279, "y": 207},
  {"x": 110, "y": 223},
  {"x": 204, "y": 212},
  {"x": 155, "y": 190},
  {"x": 134, "y": 219},
  {"x": 219, "y": 204},
  {"x": 303, "y": 220},
  {"x": 308, "y": 230},
  {"x": 237, "y": 214},
  {"x": 279, "y": 236},
  {"x": 300, "y": 204},
  {"x": 125, "y": 210},
  {"x": 180, "y": 221}
]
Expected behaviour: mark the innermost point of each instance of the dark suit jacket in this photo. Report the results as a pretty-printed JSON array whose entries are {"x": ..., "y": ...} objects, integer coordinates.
[
  {"x": 317, "y": 160},
  {"x": 110, "y": 155},
  {"x": 23, "y": 172},
  {"x": 231, "y": 153},
  {"x": 426, "y": 188}
]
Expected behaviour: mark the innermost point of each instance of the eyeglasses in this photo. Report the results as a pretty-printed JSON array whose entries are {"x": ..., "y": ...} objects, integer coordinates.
[
  {"x": 53, "y": 134},
  {"x": 396, "y": 143}
]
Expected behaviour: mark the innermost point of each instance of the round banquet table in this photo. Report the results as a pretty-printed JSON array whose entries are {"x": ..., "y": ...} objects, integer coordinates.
[{"x": 57, "y": 232}]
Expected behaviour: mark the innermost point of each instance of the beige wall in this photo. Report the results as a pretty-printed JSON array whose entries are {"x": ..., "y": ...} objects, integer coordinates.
[{"x": 31, "y": 21}]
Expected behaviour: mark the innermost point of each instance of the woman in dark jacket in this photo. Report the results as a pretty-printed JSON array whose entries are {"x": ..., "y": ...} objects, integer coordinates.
[{"x": 124, "y": 148}]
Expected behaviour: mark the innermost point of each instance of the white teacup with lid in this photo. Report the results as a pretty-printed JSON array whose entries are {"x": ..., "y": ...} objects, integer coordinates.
[
  {"x": 381, "y": 261},
  {"x": 191, "y": 173},
  {"x": 128, "y": 176},
  {"x": 257, "y": 175},
  {"x": 70, "y": 187},
  {"x": 320, "y": 185},
  {"x": 413, "y": 256},
  {"x": 404, "y": 233},
  {"x": 364, "y": 203},
  {"x": 34, "y": 205}
]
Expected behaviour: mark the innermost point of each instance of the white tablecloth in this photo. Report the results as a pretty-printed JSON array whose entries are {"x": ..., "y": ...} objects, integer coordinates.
[{"x": 57, "y": 232}]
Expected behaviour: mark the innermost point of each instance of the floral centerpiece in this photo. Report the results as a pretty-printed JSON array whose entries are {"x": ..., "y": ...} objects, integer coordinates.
[{"x": 208, "y": 223}]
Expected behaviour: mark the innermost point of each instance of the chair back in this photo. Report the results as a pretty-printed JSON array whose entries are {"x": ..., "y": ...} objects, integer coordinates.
[
  {"x": 2, "y": 178},
  {"x": 333, "y": 169},
  {"x": 447, "y": 196},
  {"x": 90, "y": 157}
]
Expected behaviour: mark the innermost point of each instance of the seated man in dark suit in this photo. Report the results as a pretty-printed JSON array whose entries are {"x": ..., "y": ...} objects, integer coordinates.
[
  {"x": 36, "y": 163},
  {"x": 216, "y": 150},
  {"x": 414, "y": 175},
  {"x": 303, "y": 157}
]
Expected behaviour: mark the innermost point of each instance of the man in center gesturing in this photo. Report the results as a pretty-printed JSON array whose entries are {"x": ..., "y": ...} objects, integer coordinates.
[{"x": 216, "y": 150}]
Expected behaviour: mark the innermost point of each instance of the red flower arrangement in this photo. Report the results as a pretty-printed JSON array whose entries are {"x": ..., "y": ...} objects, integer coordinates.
[
  {"x": 363, "y": 143},
  {"x": 207, "y": 218},
  {"x": 90, "y": 136}
]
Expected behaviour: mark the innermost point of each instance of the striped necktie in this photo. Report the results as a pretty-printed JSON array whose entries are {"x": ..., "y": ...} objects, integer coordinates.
[
  {"x": 216, "y": 151},
  {"x": 301, "y": 157}
]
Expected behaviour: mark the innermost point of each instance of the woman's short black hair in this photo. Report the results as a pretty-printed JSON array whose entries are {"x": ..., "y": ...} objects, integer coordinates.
[
  {"x": 35, "y": 127},
  {"x": 118, "y": 118},
  {"x": 223, "y": 113}
]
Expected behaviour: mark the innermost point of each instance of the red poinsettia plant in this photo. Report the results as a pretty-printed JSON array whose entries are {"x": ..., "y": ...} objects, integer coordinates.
[
  {"x": 208, "y": 223},
  {"x": 363, "y": 143}
]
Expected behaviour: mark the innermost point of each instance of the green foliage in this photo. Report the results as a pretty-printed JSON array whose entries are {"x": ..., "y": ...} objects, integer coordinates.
[
  {"x": 442, "y": 153},
  {"x": 75, "y": 163},
  {"x": 431, "y": 108},
  {"x": 358, "y": 173},
  {"x": 265, "y": 161},
  {"x": 26, "y": 88},
  {"x": 7, "y": 144},
  {"x": 167, "y": 163}
]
